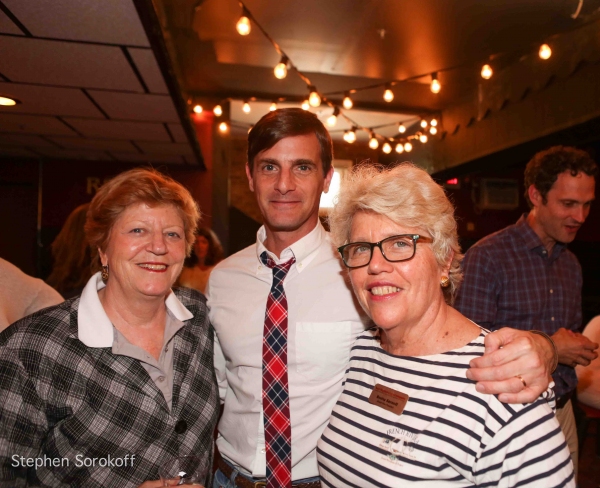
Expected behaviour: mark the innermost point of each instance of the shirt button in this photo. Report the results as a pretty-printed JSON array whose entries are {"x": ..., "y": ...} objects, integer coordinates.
[
  {"x": 161, "y": 378},
  {"x": 263, "y": 450},
  {"x": 551, "y": 290},
  {"x": 181, "y": 426},
  {"x": 552, "y": 319}
]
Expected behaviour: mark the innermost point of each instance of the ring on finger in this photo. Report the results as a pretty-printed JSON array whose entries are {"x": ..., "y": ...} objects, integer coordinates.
[{"x": 522, "y": 380}]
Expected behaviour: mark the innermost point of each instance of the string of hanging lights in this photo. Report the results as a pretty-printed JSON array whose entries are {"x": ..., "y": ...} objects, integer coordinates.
[{"x": 316, "y": 99}]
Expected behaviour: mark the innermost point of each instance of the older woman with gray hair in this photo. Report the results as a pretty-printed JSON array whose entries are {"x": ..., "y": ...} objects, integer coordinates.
[{"x": 408, "y": 415}]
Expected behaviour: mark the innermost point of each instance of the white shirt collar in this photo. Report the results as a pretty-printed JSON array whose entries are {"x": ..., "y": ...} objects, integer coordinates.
[
  {"x": 304, "y": 249},
  {"x": 95, "y": 329}
]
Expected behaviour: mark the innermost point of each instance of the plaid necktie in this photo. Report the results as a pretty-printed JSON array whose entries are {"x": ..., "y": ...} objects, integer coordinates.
[{"x": 276, "y": 401}]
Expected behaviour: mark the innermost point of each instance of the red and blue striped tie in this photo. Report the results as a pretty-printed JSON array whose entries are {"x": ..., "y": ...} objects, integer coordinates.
[{"x": 276, "y": 400}]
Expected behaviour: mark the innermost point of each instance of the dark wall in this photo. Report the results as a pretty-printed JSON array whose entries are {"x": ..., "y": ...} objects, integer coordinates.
[{"x": 64, "y": 186}]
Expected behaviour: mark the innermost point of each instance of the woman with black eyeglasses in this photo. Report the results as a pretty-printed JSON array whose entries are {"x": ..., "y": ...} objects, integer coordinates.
[{"x": 408, "y": 415}]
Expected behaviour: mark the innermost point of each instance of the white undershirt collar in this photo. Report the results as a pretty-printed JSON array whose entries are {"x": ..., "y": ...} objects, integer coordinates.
[{"x": 95, "y": 329}]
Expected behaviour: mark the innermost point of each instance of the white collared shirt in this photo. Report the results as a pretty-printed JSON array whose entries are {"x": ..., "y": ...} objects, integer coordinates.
[
  {"x": 96, "y": 330},
  {"x": 323, "y": 323}
]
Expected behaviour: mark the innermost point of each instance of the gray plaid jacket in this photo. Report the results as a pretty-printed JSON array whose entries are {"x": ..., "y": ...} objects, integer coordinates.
[{"x": 81, "y": 413}]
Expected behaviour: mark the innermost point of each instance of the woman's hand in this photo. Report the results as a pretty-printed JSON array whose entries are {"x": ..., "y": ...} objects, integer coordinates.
[{"x": 516, "y": 366}]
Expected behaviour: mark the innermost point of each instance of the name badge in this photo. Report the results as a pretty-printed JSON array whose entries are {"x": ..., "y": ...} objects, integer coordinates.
[{"x": 388, "y": 399}]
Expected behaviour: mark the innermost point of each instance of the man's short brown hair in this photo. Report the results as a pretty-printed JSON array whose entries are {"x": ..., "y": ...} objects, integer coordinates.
[
  {"x": 543, "y": 169},
  {"x": 288, "y": 122}
]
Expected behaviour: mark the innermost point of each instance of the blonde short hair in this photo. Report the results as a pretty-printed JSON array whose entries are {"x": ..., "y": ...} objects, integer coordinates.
[
  {"x": 408, "y": 196},
  {"x": 133, "y": 187}
]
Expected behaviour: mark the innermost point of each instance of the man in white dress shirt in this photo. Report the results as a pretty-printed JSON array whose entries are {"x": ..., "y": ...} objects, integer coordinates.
[{"x": 289, "y": 166}]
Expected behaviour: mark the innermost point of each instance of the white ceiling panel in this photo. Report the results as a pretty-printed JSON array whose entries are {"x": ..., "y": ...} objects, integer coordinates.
[
  {"x": 148, "y": 67},
  {"x": 107, "y": 21},
  {"x": 24, "y": 140},
  {"x": 115, "y": 129},
  {"x": 57, "y": 153},
  {"x": 178, "y": 132},
  {"x": 60, "y": 63},
  {"x": 136, "y": 106},
  {"x": 7, "y": 26},
  {"x": 33, "y": 124},
  {"x": 165, "y": 148},
  {"x": 98, "y": 144},
  {"x": 48, "y": 100},
  {"x": 148, "y": 158}
]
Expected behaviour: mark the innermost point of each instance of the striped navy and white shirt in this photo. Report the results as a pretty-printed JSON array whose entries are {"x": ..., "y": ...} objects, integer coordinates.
[{"x": 448, "y": 433}]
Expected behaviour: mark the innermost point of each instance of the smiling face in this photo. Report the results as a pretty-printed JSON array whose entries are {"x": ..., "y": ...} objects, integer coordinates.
[
  {"x": 288, "y": 181},
  {"x": 145, "y": 251},
  {"x": 567, "y": 206},
  {"x": 402, "y": 294}
]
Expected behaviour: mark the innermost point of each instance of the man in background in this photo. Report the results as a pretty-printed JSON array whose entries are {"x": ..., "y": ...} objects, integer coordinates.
[{"x": 525, "y": 277}]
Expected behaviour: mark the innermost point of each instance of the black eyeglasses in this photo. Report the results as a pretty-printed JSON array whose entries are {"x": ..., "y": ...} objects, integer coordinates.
[{"x": 394, "y": 249}]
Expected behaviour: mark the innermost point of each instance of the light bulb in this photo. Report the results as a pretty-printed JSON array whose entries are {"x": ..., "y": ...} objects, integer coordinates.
[
  {"x": 435, "y": 85},
  {"x": 218, "y": 111},
  {"x": 314, "y": 99},
  {"x": 280, "y": 70},
  {"x": 243, "y": 26},
  {"x": 388, "y": 95},
  {"x": 408, "y": 147},
  {"x": 223, "y": 127},
  {"x": 399, "y": 148},
  {"x": 386, "y": 148},
  {"x": 273, "y": 107},
  {"x": 347, "y": 103},
  {"x": 246, "y": 108},
  {"x": 332, "y": 120},
  {"x": 401, "y": 129},
  {"x": 197, "y": 109},
  {"x": 305, "y": 105},
  {"x": 486, "y": 72},
  {"x": 545, "y": 51},
  {"x": 423, "y": 138},
  {"x": 10, "y": 102},
  {"x": 433, "y": 122},
  {"x": 432, "y": 130},
  {"x": 423, "y": 123},
  {"x": 350, "y": 136},
  {"x": 373, "y": 142}
]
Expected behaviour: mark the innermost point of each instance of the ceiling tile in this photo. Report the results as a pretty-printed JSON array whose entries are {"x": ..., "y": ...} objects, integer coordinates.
[
  {"x": 178, "y": 132},
  {"x": 136, "y": 106},
  {"x": 24, "y": 140},
  {"x": 98, "y": 144},
  {"x": 109, "y": 21},
  {"x": 115, "y": 129},
  {"x": 165, "y": 148},
  {"x": 148, "y": 67},
  {"x": 7, "y": 26},
  {"x": 148, "y": 158},
  {"x": 48, "y": 100},
  {"x": 33, "y": 124},
  {"x": 61, "y": 63}
]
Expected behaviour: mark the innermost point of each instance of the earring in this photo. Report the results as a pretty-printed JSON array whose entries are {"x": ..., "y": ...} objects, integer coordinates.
[
  {"x": 444, "y": 282},
  {"x": 105, "y": 273}
]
